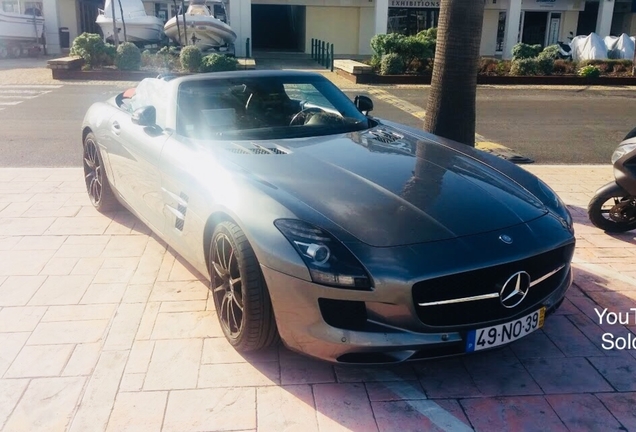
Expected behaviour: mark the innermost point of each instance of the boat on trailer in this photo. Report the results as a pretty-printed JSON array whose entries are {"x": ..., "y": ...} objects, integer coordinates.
[
  {"x": 141, "y": 28},
  {"x": 20, "y": 32},
  {"x": 204, "y": 25}
]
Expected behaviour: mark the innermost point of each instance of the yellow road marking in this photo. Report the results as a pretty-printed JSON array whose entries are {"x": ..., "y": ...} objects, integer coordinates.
[{"x": 481, "y": 143}]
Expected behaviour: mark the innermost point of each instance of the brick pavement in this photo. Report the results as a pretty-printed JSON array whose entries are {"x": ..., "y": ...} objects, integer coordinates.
[{"x": 103, "y": 327}]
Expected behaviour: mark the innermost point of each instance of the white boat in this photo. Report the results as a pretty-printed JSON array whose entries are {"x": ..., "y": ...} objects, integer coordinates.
[
  {"x": 21, "y": 27},
  {"x": 205, "y": 26},
  {"x": 17, "y": 29},
  {"x": 140, "y": 27}
]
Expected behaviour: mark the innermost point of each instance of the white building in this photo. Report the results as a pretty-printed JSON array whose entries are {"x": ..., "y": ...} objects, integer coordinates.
[{"x": 289, "y": 25}]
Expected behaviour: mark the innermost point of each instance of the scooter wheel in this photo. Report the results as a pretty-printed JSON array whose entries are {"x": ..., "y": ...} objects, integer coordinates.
[{"x": 599, "y": 212}]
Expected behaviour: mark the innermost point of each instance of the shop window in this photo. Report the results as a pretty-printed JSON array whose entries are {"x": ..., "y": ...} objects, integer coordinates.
[
  {"x": 410, "y": 21},
  {"x": 501, "y": 32},
  {"x": 33, "y": 8},
  {"x": 8, "y": 6},
  {"x": 161, "y": 11}
]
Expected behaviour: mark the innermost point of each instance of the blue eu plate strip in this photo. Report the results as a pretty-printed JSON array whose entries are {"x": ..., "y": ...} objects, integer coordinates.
[{"x": 470, "y": 341}]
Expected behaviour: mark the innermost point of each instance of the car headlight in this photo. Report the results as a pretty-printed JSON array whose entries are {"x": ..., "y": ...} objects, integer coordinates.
[
  {"x": 622, "y": 151},
  {"x": 328, "y": 260},
  {"x": 555, "y": 203}
]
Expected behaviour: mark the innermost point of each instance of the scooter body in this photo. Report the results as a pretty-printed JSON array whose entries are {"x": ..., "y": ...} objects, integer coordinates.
[{"x": 613, "y": 207}]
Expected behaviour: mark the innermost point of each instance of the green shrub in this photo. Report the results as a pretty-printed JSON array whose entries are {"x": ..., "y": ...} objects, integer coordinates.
[
  {"x": 90, "y": 47},
  {"x": 551, "y": 52},
  {"x": 524, "y": 67},
  {"x": 411, "y": 49},
  {"x": 503, "y": 67},
  {"x": 392, "y": 64},
  {"x": 422, "y": 66},
  {"x": 564, "y": 67},
  {"x": 430, "y": 33},
  {"x": 375, "y": 61},
  {"x": 191, "y": 58},
  {"x": 107, "y": 57},
  {"x": 385, "y": 43},
  {"x": 532, "y": 66},
  {"x": 148, "y": 59},
  {"x": 609, "y": 66},
  {"x": 545, "y": 65},
  {"x": 488, "y": 66},
  {"x": 589, "y": 71},
  {"x": 128, "y": 57},
  {"x": 218, "y": 63},
  {"x": 525, "y": 51}
]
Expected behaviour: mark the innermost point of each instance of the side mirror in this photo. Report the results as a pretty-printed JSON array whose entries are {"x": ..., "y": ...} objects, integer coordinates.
[
  {"x": 145, "y": 116},
  {"x": 364, "y": 104}
]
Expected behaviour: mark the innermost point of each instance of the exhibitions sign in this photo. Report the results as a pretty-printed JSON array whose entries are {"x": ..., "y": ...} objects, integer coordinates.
[{"x": 415, "y": 3}]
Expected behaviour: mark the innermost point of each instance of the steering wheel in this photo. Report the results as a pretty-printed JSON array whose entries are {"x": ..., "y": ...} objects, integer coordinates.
[{"x": 302, "y": 115}]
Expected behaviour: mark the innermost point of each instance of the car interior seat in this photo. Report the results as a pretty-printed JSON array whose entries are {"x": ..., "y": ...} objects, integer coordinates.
[{"x": 269, "y": 105}]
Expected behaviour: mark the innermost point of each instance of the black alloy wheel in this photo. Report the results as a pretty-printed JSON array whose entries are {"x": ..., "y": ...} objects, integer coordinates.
[
  {"x": 97, "y": 186},
  {"x": 240, "y": 295}
]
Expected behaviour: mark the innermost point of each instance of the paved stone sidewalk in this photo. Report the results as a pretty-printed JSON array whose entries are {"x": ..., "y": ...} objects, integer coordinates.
[{"x": 102, "y": 327}]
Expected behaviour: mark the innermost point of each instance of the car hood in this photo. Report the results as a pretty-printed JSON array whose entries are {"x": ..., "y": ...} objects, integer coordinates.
[{"x": 387, "y": 188}]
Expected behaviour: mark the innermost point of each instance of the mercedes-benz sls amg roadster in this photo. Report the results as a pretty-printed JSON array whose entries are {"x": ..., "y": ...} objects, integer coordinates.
[{"x": 351, "y": 238}]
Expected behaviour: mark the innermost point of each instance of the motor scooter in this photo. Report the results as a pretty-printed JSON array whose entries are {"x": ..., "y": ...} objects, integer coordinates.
[{"x": 613, "y": 207}]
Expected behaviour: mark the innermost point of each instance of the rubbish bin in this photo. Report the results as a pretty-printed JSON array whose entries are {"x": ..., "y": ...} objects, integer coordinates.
[{"x": 65, "y": 38}]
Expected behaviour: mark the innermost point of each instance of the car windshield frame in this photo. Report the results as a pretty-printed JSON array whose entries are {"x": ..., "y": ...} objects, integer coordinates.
[{"x": 217, "y": 100}]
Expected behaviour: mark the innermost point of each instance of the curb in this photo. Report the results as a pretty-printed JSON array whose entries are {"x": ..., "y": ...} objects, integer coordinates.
[{"x": 549, "y": 80}]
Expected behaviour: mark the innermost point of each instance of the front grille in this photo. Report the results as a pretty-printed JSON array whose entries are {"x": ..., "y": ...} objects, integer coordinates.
[{"x": 486, "y": 281}]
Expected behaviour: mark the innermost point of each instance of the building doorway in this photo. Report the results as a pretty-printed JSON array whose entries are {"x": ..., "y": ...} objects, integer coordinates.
[
  {"x": 534, "y": 28},
  {"x": 278, "y": 27},
  {"x": 587, "y": 19},
  {"x": 88, "y": 15}
]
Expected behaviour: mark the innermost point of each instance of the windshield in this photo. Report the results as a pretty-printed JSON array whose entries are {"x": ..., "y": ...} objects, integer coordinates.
[{"x": 265, "y": 108}]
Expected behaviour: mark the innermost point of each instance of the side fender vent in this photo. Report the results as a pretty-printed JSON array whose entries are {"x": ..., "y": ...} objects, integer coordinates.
[
  {"x": 256, "y": 149},
  {"x": 384, "y": 136}
]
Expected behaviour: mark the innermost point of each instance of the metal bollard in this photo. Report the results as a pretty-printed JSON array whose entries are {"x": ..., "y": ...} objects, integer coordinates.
[
  {"x": 312, "y": 48},
  {"x": 322, "y": 55},
  {"x": 332, "y": 57},
  {"x": 247, "y": 48}
]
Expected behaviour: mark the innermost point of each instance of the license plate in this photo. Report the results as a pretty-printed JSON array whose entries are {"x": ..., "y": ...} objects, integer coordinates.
[{"x": 489, "y": 337}]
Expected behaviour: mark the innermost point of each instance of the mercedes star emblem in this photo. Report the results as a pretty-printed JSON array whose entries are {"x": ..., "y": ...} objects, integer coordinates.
[
  {"x": 505, "y": 238},
  {"x": 515, "y": 289}
]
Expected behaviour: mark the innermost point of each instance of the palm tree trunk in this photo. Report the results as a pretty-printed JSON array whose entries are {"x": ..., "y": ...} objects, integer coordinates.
[
  {"x": 451, "y": 104},
  {"x": 123, "y": 23}
]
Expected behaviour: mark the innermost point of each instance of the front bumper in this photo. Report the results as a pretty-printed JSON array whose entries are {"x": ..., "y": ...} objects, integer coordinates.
[{"x": 303, "y": 308}]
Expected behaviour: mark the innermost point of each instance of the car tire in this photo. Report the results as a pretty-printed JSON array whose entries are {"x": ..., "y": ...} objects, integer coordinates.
[
  {"x": 97, "y": 185},
  {"x": 238, "y": 289},
  {"x": 595, "y": 213}
]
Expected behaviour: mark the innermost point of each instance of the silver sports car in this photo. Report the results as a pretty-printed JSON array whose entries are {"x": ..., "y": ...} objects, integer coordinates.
[{"x": 353, "y": 239}]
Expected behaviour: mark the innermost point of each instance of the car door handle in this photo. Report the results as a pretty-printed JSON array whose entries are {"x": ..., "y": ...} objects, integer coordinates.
[{"x": 116, "y": 128}]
